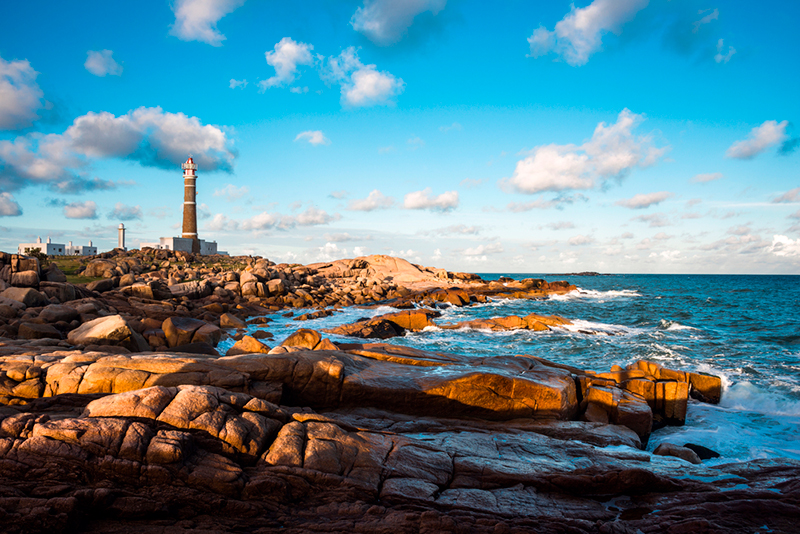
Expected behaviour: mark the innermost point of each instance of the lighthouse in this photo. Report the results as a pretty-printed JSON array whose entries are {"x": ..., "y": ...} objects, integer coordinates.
[
  {"x": 190, "y": 203},
  {"x": 188, "y": 241}
]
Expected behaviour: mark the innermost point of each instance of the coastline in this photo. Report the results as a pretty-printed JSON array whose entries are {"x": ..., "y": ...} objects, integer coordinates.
[{"x": 330, "y": 433}]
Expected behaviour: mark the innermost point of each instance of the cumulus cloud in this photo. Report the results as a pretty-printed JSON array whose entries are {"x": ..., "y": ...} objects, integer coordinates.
[
  {"x": 483, "y": 250},
  {"x": 579, "y": 34},
  {"x": 314, "y": 137},
  {"x": 8, "y": 206},
  {"x": 343, "y": 237},
  {"x": 285, "y": 58},
  {"x": 101, "y": 63},
  {"x": 361, "y": 85},
  {"x": 645, "y": 200},
  {"x": 241, "y": 84},
  {"x": 612, "y": 152},
  {"x": 230, "y": 192},
  {"x": 579, "y": 240},
  {"x": 196, "y": 20},
  {"x": 385, "y": 22},
  {"x": 424, "y": 200},
  {"x": 121, "y": 212},
  {"x": 770, "y": 133},
  {"x": 793, "y": 195},
  {"x": 654, "y": 220},
  {"x": 561, "y": 225},
  {"x": 331, "y": 251},
  {"x": 455, "y": 229},
  {"x": 709, "y": 177},
  {"x": 150, "y": 136},
  {"x": 20, "y": 95},
  {"x": 374, "y": 201},
  {"x": 784, "y": 246},
  {"x": 719, "y": 57},
  {"x": 455, "y": 126},
  {"x": 312, "y": 216},
  {"x": 82, "y": 210}
]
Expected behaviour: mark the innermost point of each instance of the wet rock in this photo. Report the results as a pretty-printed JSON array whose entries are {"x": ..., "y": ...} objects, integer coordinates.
[
  {"x": 704, "y": 453},
  {"x": 684, "y": 453}
]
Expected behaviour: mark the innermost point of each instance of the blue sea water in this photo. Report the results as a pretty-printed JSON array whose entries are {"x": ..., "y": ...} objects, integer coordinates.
[{"x": 745, "y": 329}]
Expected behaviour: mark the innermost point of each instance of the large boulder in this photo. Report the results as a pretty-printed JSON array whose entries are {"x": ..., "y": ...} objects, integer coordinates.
[
  {"x": 247, "y": 345},
  {"x": 25, "y": 279},
  {"x": 26, "y": 295},
  {"x": 38, "y": 331},
  {"x": 100, "y": 268},
  {"x": 58, "y": 312},
  {"x": 54, "y": 274},
  {"x": 62, "y": 291},
  {"x": 110, "y": 330},
  {"x": 181, "y": 330},
  {"x": 192, "y": 290},
  {"x": 101, "y": 286}
]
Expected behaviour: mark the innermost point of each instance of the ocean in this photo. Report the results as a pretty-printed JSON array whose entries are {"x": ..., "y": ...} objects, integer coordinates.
[{"x": 745, "y": 329}]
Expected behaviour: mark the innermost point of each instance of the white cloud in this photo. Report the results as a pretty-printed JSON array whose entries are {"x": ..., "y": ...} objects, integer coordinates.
[
  {"x": 471, "y": 183},
  {"x": 579, "y": 34},
  {"x": 20, "y": 95},
  {"x": 385, "y": 22},
  {"x": 423, "y": 200},
  {"x": 714, "y": 15},
  {"x": 359, "y": 251},
  {"x": 437, "y": 255},
  {"x": 121, "y": 212},
  {"x": 344, "y": 237},
  {"x": 81, "y": 210},
  {"x": 374, "y": 201},
  {"x": 314, "y": 216},
  {"x": 287, "y": 55},
  {"x": 762, "y": 137},
  {"x": 455, "y": 126},
  {"x": 415, "y": 142},
  {"x": 238, "y": 83},
  {"x": 150, "y": 136},
  {"x": 361, "y": 85},
  {"x": 331, "y": 251},
  {"x": 654, "y": 220},
  {"x": 719, "y": 57},
  {"x": 456, "y": 229},
  {"x": 231, "y": 192},
  {"x": 561, "y": 225},
  {"x": 793, "y": 195},
  {"x": 783, "y": 246},
  {"x": 579, "y": 240},
  {"x": 314, "y": 137},
  {"x": 100, "y": 63},
  {"x": 612, "y": 151},
  {"x": 8, "y": 206},
  {"x": 196, "y": 20},
  {"x": 338, "y": 194},
  {"x": 482, "y": 250},
  {"x": 708, "y": 177},
  {"x": 646, "y": 200}
]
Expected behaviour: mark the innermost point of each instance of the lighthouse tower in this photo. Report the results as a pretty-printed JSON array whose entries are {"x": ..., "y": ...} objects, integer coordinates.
[{"x": 189, "y": 203}]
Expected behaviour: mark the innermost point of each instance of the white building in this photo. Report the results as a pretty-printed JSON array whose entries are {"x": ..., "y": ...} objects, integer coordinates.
[
  {"x": 81, "y": 250},
  {"x": 56, "y": 249},
  {"x": 49, "y": 248},
  {"x": 183, "y": 244}
]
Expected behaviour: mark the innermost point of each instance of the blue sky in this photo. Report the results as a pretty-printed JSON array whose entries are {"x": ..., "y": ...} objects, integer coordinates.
[{"x": 614, "y": 135}]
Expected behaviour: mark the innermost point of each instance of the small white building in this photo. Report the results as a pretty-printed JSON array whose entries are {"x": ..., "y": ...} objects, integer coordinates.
[
  {"x": 81, "y": 250},
  {"x": 183, "y": 244},
  {"x": 57, "y": 249},
  {"x": 49, "y": 248}
]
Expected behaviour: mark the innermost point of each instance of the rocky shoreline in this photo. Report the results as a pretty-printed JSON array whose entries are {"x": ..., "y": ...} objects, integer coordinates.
[{"x": 118, "y": 413}]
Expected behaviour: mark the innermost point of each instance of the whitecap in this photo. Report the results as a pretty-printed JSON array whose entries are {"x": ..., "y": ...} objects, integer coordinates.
[
  {"x": 673, "y": 326},
  {"x": 585, "y": 294}
]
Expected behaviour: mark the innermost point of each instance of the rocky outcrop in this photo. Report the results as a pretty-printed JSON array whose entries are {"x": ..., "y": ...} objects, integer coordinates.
[
  {"x": 111, "y": 330},
  {"x": 207, "y": 457}
]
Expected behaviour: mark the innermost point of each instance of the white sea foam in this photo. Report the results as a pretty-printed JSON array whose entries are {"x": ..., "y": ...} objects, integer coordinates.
[
  {"x": 586, "y": 294},
  {"x": 589, "y": 327},
  {"x": 674, "y": 326},
  {"x": 746, "y": 396}
]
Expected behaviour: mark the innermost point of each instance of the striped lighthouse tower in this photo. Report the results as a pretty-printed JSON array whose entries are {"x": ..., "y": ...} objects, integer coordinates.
[{"x": 189, "y": 203}]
